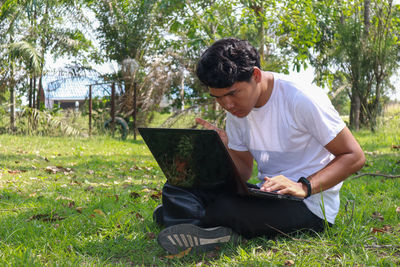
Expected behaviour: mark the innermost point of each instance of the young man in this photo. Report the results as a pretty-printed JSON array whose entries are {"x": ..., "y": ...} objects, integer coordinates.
[{"x": 301, "y": 146}]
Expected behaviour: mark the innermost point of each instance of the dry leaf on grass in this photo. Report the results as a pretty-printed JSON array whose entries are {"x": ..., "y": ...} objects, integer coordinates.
[
  {"x": 46, "y": 217},
  {"x": 156, "y": 195},
  {"x": 75, "y": 182},
  {"x": 15, "y": 171},
  {"x": 384, "y": 229},
  {"x": 150, "y": 235},
  {"x": 377, "y": 215},
  {"x": 146, "y": 190},
  {"x": 134, "y": 195},
  {"x": 289, "y": 262},
  {"x": 126, "y": 185},
  {"x": 212, "y": 254},
  {"x": 179, "y": 255},
  {"x": 99, "y": 212},
  {"x": 64, "y": 198},
  {"x": 134, "y": 168},
  {"x": 89, "y": 188},
  {"x": 56, "y": 169}
]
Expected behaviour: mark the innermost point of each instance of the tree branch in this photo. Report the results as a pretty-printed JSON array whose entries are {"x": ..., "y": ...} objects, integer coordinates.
[{"x": 375, "y": 174}]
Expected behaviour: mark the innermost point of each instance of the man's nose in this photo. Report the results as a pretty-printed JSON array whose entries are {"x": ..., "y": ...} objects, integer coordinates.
[{"x": 227, "y": 103}]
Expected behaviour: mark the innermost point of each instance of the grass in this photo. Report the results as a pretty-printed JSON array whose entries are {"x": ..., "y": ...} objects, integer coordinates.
[{"x": 80, "y": 201}]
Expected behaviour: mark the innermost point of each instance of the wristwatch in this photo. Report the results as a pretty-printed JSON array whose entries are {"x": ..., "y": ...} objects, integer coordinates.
[{"x": 307, "y": 183}]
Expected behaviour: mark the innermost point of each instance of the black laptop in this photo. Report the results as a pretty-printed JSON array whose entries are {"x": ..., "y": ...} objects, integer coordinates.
[{"x": 193, "y": 158}]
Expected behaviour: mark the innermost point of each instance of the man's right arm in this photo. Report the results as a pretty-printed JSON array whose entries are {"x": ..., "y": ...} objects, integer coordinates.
[{"x": 244, "y": 163}]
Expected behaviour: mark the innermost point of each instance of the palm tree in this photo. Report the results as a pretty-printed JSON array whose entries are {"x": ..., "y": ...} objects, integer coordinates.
[{"x": 28, "y": 31}]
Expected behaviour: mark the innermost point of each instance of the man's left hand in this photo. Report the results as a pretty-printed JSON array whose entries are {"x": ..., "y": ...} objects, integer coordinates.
[{"x": 283, "y": 185}]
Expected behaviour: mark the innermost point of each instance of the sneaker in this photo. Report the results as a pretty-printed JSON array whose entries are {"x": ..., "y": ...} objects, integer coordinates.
[
  {"x": 158, "y": 215},
  {"x": 180, "y": 237}
]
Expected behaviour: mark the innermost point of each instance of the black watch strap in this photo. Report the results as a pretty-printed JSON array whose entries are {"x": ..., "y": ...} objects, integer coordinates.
[{"x": 307, "y": 183}]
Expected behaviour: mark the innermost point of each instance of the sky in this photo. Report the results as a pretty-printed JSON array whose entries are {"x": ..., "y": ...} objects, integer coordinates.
[{"x": 308, "y": 77}]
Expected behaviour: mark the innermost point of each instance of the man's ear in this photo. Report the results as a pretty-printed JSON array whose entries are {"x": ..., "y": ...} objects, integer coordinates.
[{"x": 257, "y": 74}]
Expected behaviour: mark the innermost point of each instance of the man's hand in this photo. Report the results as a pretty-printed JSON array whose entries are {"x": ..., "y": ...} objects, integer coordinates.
[
  {"x": 283, "y": 185},
  {"x": 222, "y": 134}
]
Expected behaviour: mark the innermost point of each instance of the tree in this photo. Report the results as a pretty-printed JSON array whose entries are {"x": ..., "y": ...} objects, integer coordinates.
[
  {"x": 357, "y": 40},
  {"x": 53, "y": 28},
  {"x": 14, "y": 53},
  {"x": 194, "y": 25},
  {"x": 47, "y": 27},
  {"x": 368, "y": 51},
  {"x": 126, "y": 27},
  {"x": 260, "y": 26}
]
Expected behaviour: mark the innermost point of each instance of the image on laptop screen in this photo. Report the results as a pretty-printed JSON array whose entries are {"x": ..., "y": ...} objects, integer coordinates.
[{"x": 189, "y": 158}]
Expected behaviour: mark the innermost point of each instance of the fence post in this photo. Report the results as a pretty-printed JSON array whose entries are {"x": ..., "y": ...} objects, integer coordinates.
[
  {"x": 134, "y": 110},
  {"x": 112, "y": 107},
  {"x": 90, "y": 110}
]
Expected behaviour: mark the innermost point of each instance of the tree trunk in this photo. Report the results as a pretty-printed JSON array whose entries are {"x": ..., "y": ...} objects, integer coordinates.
[
  {"x": 12, "y": 107},
  {"x": 359, "y": 113},
  {"x": 30, "y": 91},
  {"x": 183, "y": 90},
  {"x": 341, "y": 11},
  {"x": 376, "y": 105},
  {"x": 367, "y": 23},
  {"x": 355, "y": 111},
  {"x": 12, "y": 98},
  {"x": 34, "y": 92},
  {"x": 258, "y": 10},
  {"x": 40, "y": 95}
]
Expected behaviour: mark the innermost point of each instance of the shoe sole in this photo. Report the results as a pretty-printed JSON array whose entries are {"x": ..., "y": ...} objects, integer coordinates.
[{"x": 180, "y": 237}]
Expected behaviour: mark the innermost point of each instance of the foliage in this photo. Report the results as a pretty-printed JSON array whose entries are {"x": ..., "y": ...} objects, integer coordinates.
[
  {"x": 352, "y": 44},
  {"x": 34, "y": 29},
  {"x": 125, "y": 27},
  {"x": 153, "y": 83},
  {"x": 128, "y": 30},
  {"x": 194, "y": 25},
  {"x": 47, "y": 123},
  {"x": 50, "y": 123},
  {"x": 369, "y": 61},
  {"x": 355, "y": 44},
  {"x": 260, "y": 25}
]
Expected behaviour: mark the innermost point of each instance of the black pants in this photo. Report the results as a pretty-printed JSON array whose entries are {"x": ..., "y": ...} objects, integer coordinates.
[{"x": 248, "y": 216}]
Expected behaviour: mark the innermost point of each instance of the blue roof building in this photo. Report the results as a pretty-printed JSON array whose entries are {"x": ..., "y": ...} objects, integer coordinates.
[{"x": 71, "y": 92}]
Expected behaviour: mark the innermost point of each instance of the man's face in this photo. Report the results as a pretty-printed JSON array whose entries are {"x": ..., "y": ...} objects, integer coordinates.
[{"x": 238, "y": 99}]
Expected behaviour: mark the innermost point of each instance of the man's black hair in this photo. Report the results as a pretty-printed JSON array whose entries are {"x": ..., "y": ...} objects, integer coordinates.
[{"x": 227, "y": 61}]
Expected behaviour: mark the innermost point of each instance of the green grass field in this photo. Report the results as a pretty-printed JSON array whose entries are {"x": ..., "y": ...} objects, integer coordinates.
[{"x": 80, "y": 201}]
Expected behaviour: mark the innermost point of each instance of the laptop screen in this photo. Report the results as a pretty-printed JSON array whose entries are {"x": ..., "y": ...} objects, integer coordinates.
[{"x": 190, "y": 158}]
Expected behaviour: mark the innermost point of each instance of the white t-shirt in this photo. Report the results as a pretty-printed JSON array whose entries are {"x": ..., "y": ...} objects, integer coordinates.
[{"x": 287, "y": 136}]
